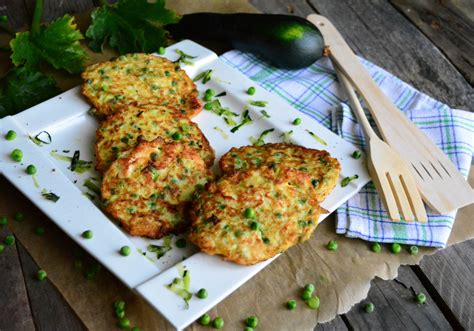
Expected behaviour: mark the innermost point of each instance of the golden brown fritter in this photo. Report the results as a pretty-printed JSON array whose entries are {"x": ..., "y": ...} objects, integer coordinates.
[
  {"x": 285, "y": 213},
  {"x": 323, "y": 169},
  {"x": 123, "y": 130},
  {"x": 138, "y": 79},
  {"x": 152, "y": 183}
]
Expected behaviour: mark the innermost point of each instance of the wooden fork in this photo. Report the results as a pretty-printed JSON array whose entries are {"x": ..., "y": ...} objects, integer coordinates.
[{"x": 390, "y": 174}]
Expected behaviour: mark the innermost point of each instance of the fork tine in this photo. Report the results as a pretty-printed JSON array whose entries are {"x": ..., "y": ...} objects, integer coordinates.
[
  {"x": 383, "y": 188},
  {"x": 414, "y": 198},
  {"x": 401, "y": 197}
]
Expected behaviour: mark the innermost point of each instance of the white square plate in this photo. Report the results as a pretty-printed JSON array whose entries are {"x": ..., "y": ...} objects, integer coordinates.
[{"x": 71, "y": 127}]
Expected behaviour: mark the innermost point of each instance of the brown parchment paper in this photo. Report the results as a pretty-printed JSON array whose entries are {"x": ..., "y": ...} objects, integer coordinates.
[{"x": 342, "y": 278}]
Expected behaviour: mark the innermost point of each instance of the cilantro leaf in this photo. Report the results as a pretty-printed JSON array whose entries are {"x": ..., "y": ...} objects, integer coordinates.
[
  {"x": 56, "y": 43},
  {"x": 23, "y": 88},
  {"x": 131, "y": 26}
]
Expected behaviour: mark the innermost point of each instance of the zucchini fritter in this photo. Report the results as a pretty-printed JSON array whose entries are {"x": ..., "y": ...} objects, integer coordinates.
[
  {"x": 138, "y": 79},
  {"x": 123, "y": 130},
  {"x": 323, "y": 169},
  {"x": 151, "y": 183},
  {"x": 282, "y": 206}
]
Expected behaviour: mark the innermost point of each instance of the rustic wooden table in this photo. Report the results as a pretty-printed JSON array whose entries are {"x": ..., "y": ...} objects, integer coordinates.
[{"x": 427, "y": 43}]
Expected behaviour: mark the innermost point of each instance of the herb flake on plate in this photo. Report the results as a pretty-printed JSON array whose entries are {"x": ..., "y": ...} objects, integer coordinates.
[
  {"x": 318, "y": 138},
  {"x": 261, "y": 139},
  {"x": 257, "y": 103},
  {"x": 50, "y": 196},
  {"x": 205, "y": 76},
  {"x": 246, "y": 119}
]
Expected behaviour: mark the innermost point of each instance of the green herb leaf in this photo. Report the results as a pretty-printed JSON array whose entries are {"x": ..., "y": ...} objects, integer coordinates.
[
  {"x": 264, "y": 113},
  {"x": 258, "y": 103},
  {"x": 287, "y": 136},
  {"x": 245, "y": 120},
  {"x": 131, "y": 26},
  {"x": 23, "y": 88},
  {"x": 56, "y": 43},
  {"x": 261, "y": 139},
  {"x": 92, "y": 186},
  {"x": 205, "y": 76},
  {"x": 50, "y": 196},
  {"x": 318, "y": 139}
]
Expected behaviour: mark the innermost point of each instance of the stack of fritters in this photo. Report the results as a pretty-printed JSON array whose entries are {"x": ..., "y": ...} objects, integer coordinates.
[
  {"x": 282, "y": 186},
  {"x": 152, "y": 156}
]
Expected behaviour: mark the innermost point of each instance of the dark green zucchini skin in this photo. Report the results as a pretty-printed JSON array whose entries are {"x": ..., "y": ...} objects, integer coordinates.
[{"x": 286, "y": 41}]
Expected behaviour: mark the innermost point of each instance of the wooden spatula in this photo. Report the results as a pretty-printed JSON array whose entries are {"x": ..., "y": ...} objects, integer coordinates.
[{"x": 441, "y": 185}]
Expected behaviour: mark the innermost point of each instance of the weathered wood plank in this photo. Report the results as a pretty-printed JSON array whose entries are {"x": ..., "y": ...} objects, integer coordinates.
[
  {"x": 50, "y": 309},
  {"x": 396, "y": 308},
  {"x": 449, "y": 25},
  {"x": 378, "y": 32},
  {"x": 16, "y": 12},
  {"x": 15, "y": 313}
]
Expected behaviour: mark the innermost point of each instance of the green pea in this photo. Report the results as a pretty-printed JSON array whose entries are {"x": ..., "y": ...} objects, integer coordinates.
[
  {"x": 31, "y": 169},
  {"x": 17, "y": 155},
  {"x": 124, "y": 323},
  {"x": 356, "y": 155},
  {"x": 3, "y": 220},
  {"x": 202, "y": 293},
  {"x": 41, "y": 275},
  {"x": 210, "y": 92},
  {"x": 251, "y": 90},
  {"x": 413, "y": 250},
  {"x": 161, "y": 50},
  {"x": 309, "y": 287},
  {"x": 205, "y": 319},
  {"x": 181, "y": 243},
  {"x": 376, "y": 247},
  {"x": 306, "y": 295},
  {"x": 11, "y": 135},
  {"x": 297, "y": 121},
  {"x": 9, "y": 240},
  {"x": 218, "y": 323},
  {"x": 208, "y": 106},
  {"x": 2, "y": 248},
  {"x": 136, "y": 328},
  {"x": 254, "y": 225},
  {"x": 120, "y": 313},
  {"x": 125, "y": 251},
  {"x": 249, "y": 213},
  {"x": 369, "y": 308},
  {"x": 396, "y": 248},
  {"x": 332, "y": 245},
  {"x": 291, "y": 305},
  {"x": 87, "y": 234},
  {"x": 421, "y": 298},
  {"x": 177, "y": 136},
  {"x": 313, "y": 302},
  {"x": 19, "y": 217},
  {"x": 248, "y": 328},
  {"x": 39, "y": 231},
  {"x": 252, "y": 321},
  {"x": 119, "y": 304}
]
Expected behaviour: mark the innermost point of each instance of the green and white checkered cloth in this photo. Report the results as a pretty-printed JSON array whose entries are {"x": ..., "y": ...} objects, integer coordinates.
[{"x": 316, "y": 92}]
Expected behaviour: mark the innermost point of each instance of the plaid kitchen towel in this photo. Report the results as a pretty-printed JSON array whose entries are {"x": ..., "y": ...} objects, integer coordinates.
[{"x": 316, "y": 92}]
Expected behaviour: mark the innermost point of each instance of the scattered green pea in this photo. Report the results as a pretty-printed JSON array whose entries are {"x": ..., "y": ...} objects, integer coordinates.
[
  {"x": 332, "y": 245},
  {"x": 291, "y": 305},
  {"x": 202, "y": 293},
  {"x": 120, "y": 313},
  {"x": 356, "y": 155},
  {"x": 3, "y": 220},
  {"x": 210, "y": 92},
  {"x": 396, "y": 248},
  {"x": 125, "y": 251},
  {"x": 248, "y": 328},
  {"x": 119, "y": 304},
  {"x": 297, "y": 121},
  {"x": 31, "y": 169},
  {"x": 87, "y": 234},
  {"x": 124, "y": 323},
  {"x": 413, "y": 250},
  {"x": 181, "y": 243},
  {"x": 41, "y": 275},
  {"x": 177, "y": 136},
  {"x": 252, "y": 321},
  {"x": 11, "y": 135},
  {"x": 309, "y": 287},
  {"x": 313, "y": 302},
  {"x": 19, "y": 217},
  {"x": 218, "y": 323},
  {"x": 306, "y": 295},
  {"x": 208, "y": 106},
  {"x": 376, "y": 247},
  {"x": 205, "y": 319},
  {"x": 2, "y": 248},
  {"x": 251, "y": 90},
  {"x": 369, "y": 308},
  {"x": 161, "y": 50},
  {"x": 9, "y": 240},
  {"x": 254, "y": 225},
  {"x": 17, "y": 155},
  {"x": 421, "y": 298},
  {"x": 40, "y": 231},
  {"x": 249, "y": 213}
]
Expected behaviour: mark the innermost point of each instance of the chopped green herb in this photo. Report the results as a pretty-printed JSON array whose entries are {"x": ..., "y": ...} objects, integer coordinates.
[
  {"x": 42, "y": 138},
  {"x": 396, "y": 248},
  {"x": 77, "y": 165},
  {"x": 318, "y": 139},
  {"x": 92, "y": 186},
  {"x": 260, "y": 140},
  {"x": 291, "y": 305},
  {"x": 252, "y": 321},
  {"x": 265, "y": 114},
  {"x": 223, "y": 134},
  {"x": 216, "y": 107},
  {"x": 180, "y": 286},
  {"x": 11, "y": 135},
  {"x": 184, "y": 58},
  {"x": 41, "y": 275},
  {"x": 313, "y": 302},
  {"x": 125, "y": 250},
  {"x": 202, "y": 293},
  {"x": 413, "y": 250},
  {"x": 161, "y": 250},
  {"x": 332, "y": 245},
  {"x": 287, "y": 136},
  {"x": 205, "y": 319},
  {"x": 369, "y": 308},
  {"x": 50, "y": 196},
  {"x": 297, "y": 121},
  {"x": 31, "y": 169},
  {"x": 347, "y": 180},
  {"x": 245, "y": 120},
  {"x": 356, "y": 155},
  {"x": 17, "y": 155},
  {"x": 376, "y": 247},
  {"x": 205, "y": 76},
  {"x": 222, "y": 94},
  {"x": 421, "y": 298}
]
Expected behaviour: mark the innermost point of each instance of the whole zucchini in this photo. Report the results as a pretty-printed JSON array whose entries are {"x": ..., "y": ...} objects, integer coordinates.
[{"x": 286, "y": 41}]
